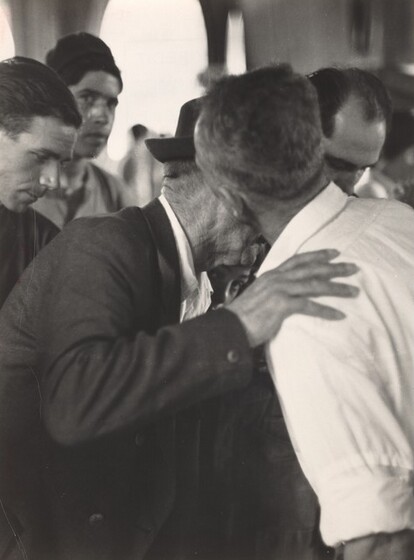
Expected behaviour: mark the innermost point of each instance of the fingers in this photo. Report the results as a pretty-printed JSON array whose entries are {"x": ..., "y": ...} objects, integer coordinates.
[
  {"x": 313, "y": 270},
  {"x": 334, "y": 270},
  {"x": 319, "y": 288},
  {"x": 314, "y": 309},
  {"x": 310, "y": 257},
  {"x": 313, "y": 288}
]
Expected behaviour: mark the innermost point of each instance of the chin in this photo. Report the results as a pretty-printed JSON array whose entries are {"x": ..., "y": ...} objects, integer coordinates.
[
  {"x": 89, "y": 152},
  {"x": 347, "y": 189}
]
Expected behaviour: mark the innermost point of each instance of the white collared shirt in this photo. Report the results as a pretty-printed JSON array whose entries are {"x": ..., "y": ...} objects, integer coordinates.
[
  {"x": 347, "y": 387},
  {"x": 195, "y": 290}
]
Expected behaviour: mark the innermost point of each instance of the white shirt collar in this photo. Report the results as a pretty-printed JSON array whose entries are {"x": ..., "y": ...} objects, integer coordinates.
[
  {"x": 318, "y": 212},
  {"x": 195, "y": 290}
]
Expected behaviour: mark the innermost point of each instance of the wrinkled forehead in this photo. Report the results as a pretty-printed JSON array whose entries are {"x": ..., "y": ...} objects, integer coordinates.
[{"x": 51, "y": 135}]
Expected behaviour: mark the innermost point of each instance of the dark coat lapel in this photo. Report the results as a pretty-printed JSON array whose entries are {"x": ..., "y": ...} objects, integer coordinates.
[
  {"x": 170, "y": 278},
  {"x": 168, "y": 262}
]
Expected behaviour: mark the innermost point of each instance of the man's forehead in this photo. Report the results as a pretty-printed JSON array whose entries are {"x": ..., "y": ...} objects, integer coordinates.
[
  {"x": 356, "y": 139},
  {"x": 49, "y": 133},
  {"x": 98, "y": 81},
  {"x": 351, "y": 122}
]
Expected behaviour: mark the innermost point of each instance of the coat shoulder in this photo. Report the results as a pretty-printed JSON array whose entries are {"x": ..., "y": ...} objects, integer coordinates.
[{"x": 128, "y": 226}]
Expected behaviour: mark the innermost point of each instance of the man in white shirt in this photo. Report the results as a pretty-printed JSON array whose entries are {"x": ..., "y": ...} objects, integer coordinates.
[{"x": 346, "y": 390}]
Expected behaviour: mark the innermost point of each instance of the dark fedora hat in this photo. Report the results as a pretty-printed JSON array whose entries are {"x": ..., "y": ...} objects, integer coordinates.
[{"x": 181, "y": 145}]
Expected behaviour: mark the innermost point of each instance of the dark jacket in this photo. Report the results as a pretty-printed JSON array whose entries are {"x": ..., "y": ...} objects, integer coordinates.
[
  {"x": 92, "y": 372},
  {"x": 22, "y": 236}
]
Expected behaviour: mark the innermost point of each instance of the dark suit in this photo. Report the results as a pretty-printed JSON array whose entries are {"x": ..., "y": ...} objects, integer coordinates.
[
  {"x": 92, "y": 372},
  {"x": 22, "y": 236}
]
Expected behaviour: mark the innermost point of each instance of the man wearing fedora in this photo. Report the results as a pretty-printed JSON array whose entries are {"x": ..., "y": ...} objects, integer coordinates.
[{"x": 114, "y": 347}]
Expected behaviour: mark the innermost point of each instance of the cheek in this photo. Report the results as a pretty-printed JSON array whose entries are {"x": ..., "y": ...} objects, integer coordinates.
[
  {"x": 84, "y": 112},
  {"x": 82, "y": 106},
  {"x": 26, "y": 172},
  {"x": 84, "y": 115},
  {"x": 111, "y": 118}
]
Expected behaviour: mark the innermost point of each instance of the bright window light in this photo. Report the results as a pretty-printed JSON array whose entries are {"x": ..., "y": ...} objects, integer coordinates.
[
  {"x": 160, "y": 47},
  {"x": 7, "y": 49}
]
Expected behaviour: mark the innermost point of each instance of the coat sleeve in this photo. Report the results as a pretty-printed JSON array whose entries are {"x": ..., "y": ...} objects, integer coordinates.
[{"x": 108, "y": 364}]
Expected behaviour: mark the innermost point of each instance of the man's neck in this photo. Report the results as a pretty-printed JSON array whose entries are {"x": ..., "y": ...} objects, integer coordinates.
[{"x": 273, "y": 220}]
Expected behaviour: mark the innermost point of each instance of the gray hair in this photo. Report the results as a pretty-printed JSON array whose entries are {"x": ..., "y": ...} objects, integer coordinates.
[{"x": 260, "y": 134}]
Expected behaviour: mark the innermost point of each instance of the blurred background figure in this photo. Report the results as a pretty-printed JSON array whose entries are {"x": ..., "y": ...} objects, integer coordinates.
[
  {"x": 395, "y": 173},
  {"x": 355, "y": 112},
  {"x": 141, "y": 172}
]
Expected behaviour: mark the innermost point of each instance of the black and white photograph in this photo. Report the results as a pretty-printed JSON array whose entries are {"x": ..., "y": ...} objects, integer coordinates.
[{"x": 206, "y": 279}]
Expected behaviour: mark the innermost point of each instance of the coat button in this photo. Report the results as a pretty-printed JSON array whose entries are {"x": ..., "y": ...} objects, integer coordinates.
[
  {"x": 233, "y": 356},
  {"x": 96, "y": 519}
]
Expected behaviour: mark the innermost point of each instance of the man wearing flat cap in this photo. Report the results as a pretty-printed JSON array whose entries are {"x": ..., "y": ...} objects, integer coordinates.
[
  {"x": 86, "y": 65},
  {"x": 114, "y": 347}
]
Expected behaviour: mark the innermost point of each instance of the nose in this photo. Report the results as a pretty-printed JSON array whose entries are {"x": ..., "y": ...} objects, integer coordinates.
[
  {"x": 50, "y": 175},
  {"x": 99, "y": 112}
]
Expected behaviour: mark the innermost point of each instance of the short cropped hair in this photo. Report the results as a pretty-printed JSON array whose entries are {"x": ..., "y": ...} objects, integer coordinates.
[
  {"x": 30, "y": 89},
  {"x": 334, "y": 87},
  {"x": 260, "y": 133}
]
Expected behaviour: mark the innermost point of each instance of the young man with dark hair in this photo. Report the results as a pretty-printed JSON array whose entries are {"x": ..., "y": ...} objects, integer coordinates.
[
  {"x": 346, "y": 389},
  {"x": 86, "y": 65},
  {"x": 356, "y": 115},
  {"x": 38, "y": 124}
]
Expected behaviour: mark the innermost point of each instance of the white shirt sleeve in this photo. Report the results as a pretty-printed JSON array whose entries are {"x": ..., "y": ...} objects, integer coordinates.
[{"x": 346, "y": 388}]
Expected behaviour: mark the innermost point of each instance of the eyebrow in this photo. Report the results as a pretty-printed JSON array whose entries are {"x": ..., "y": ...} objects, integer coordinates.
[
  {"x": 88, "y": 90},
  {"x": 97, "y": 93},
  {"x": 50, "y": 154}
]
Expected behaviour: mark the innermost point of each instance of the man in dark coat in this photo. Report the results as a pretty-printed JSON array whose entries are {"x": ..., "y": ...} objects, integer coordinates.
[
  {"x": 94, "y": 366},
  {"x": 38, "y": 122}
]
